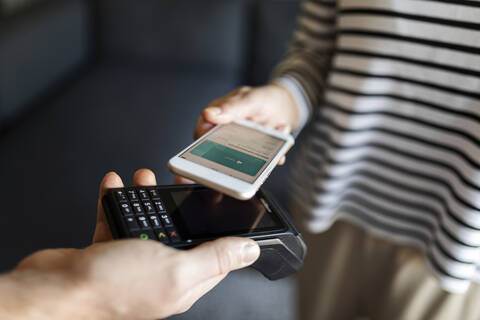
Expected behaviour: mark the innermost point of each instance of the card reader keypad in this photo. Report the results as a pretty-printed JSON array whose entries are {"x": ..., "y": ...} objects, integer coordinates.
[{"x": 145, "y": 215}]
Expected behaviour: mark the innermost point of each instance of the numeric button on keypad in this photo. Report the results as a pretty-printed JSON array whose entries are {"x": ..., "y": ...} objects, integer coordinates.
[
  {"x": 121, "y": 196},
  {"x": 159, "y": 205},
  {"x": 149, "y": 207},
  {"x": 137, "y": 207},
  {"x": 167, "y": 222},
  {"x": 143, "y": 194},
  {"x": 126, "y": 209},
  {"x": 132, "y": 194},
  {"x": 154, "y": 194},
  {"x": 132, "y": 223},
  {"x": 155, "y": 221},
  {"x": 143, "y": 222}
]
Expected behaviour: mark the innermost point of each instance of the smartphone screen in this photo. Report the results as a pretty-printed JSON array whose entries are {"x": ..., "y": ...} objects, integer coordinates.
[
  {"x": 205, "y": 213},
  {"x": 236, "y": 150}
]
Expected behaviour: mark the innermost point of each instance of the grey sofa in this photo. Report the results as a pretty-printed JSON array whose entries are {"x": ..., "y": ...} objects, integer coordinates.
[{"x": 92, "y": 86}]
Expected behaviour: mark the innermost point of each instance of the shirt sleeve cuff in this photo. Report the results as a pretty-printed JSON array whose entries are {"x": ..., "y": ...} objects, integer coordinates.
[{"x": 300, "y": 97}]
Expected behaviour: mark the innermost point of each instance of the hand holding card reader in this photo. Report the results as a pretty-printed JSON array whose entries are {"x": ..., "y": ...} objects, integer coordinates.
[{"x": 186, "y": 216}]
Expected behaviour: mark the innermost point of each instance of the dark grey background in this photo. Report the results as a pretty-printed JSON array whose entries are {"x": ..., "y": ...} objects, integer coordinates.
[{"x": 87, "y": 87}]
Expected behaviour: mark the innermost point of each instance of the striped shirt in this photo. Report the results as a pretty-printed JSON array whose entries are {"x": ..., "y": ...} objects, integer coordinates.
[{"x": 392, "y": 88}]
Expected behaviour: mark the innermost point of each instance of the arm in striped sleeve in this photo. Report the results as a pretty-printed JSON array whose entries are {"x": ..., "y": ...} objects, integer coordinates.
[{"x": 304, "y": 69}]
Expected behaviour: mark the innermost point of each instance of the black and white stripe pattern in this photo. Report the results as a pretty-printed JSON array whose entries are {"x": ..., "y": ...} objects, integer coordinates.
[{"x": 395, "y": 141}]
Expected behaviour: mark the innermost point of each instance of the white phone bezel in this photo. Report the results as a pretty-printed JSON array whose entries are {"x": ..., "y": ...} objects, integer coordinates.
[{"x": 227, "y": 184}]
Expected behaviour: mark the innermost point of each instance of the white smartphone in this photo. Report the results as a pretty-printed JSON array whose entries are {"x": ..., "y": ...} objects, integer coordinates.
[{"x": 234, "y": 159}]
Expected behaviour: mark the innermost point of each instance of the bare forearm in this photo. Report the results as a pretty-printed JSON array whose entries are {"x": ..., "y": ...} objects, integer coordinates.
[{"x": 39, "y": 295}]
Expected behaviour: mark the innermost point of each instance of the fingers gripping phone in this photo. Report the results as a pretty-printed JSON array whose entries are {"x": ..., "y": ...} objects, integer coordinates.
[
  {"x": 234, "y": 159},
  {"x": 188, "y": 215}
]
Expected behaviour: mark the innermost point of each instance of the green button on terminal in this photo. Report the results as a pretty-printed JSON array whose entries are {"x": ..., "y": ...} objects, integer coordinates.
[{"x": 143, "y": 235}]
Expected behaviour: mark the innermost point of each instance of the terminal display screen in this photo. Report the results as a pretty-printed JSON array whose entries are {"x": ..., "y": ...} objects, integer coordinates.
[{"x": 205, "y": 213}]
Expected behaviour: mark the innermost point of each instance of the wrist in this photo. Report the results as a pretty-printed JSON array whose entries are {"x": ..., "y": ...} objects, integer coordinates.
[
  {"x": 300, "y": 98},
  {"x": 288, "y": 103},
  {"x": 29, "y": 294}
]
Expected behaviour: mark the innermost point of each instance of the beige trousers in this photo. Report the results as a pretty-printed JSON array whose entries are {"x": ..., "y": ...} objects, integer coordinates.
[{"x": 351, "y": 274}]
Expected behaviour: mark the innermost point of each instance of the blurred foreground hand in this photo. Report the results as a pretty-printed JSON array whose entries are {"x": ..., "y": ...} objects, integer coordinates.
[{"x": 125, "y": 279}]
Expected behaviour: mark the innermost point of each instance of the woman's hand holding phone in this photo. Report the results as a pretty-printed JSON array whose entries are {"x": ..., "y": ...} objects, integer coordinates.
[{"x": 271, "y": 106}]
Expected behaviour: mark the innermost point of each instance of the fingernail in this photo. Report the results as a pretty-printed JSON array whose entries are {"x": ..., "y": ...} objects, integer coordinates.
[
  {"x": 207, "y": 125},
  {"x": 250, "y": 253},
  {"x": 213, "y": 111}
]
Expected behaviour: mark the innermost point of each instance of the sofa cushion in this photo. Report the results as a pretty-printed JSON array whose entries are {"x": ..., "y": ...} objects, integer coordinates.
[{"x": 176, "y": 34}]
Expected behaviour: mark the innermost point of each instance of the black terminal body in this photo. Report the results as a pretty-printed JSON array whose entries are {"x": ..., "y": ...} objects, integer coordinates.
[{"x": 187, "y": 215}]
